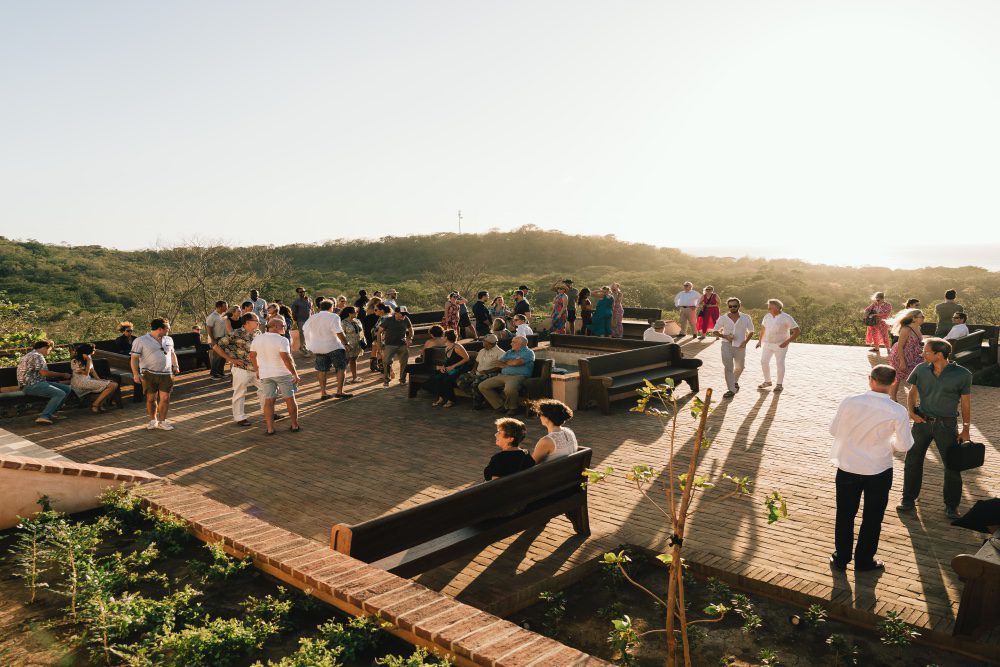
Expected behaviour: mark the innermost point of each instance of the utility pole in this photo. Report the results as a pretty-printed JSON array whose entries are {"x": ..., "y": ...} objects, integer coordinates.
[{"x": 459, "y": 222}]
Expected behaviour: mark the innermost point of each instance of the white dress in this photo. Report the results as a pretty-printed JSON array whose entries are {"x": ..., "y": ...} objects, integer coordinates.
[
  {"x": 85, "y": 384},
  {"x": 565, "y": 444}
]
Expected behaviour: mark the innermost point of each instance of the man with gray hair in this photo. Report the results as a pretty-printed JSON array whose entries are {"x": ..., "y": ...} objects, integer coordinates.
[
  {"x": 686, "y": 302},
  {"x": 503, "y": 391},
  {"x": 777, "y": 331},
  {"x": 271, "y": 356},
  {"x": 486, "y": 367},
  {"x": 866, "y": 431}
]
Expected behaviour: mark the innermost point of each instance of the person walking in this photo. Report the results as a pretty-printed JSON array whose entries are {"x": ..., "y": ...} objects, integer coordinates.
[
  {"x": 777, "y": 331},
  {"x": 907, "y": 353},
  {"x": 945, "y": 311},
  {"x": 274, "y": 368},
  {"x": 325, "y": 337},
  {"x": 708, "y": 311},
  {"x": 397, "y": 336},
  {"x": 866, "y": 430},
  {"x": 216, "y": 325},
  {"x": 153, "y": 359},
  {"x": 235, "y": 349},
  {"x": 876, "y": 320},
  {"x": 735, "y": 329},
  {"x": 33, "y": 378},
  {"x": 686, "y": 302},
  {"x": 939, "y": 390},
  {"x": 301, "y": 311}
]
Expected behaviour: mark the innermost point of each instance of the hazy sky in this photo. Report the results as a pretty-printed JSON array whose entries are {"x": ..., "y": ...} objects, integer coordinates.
[{"x": 829, "y": 129}]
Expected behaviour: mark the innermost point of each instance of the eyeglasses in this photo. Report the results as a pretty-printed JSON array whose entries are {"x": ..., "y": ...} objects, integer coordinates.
[{"x": 734, "y": 307}]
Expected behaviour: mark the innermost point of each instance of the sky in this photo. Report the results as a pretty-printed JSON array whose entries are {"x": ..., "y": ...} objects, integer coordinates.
[{"x": 846, "y": 132}]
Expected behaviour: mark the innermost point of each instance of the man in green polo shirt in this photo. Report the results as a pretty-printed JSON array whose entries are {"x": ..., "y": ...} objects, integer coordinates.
[{"x": 938, "y": 389}]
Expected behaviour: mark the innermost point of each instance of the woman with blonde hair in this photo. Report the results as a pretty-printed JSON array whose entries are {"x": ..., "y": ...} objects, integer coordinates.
[
  {"x": 907, "y": 353},
  {"x": 876, "y": 320},
  {"x": 123, "y": 344},
  {"x": 708, "y": 311}
]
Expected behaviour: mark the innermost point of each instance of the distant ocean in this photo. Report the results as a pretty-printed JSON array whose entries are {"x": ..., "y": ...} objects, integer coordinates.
[{"x": 984, "y": 256}]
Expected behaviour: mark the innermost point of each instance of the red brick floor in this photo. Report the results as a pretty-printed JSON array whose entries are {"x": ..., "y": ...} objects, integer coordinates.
[{"x": 357, "y": 459}]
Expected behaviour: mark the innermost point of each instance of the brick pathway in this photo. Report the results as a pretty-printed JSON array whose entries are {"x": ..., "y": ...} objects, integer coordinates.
[{"x": 379, "y": 451}]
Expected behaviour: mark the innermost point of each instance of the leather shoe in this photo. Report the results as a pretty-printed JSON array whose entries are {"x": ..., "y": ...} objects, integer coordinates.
[
  {"x": 870, "y": 567},
  {"x": 906, "y": 506},
  {"x": 836, "y": 564},
  {"x": 951, "y": 512}
]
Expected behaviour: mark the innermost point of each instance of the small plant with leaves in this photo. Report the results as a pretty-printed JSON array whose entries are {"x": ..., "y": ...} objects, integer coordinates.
[
  {"x": 312, "y": 652},
  {"x": 555, "y": 609},
  {"x": 122, "y": 504},
  {"x": 169, "y": 532},
  {"x": 895, "y": 632},
  {"x": 623, "y": 639},
  {"x": 612, "y": 573},
  {"x": 31, "y": 548},
  {"x": 73, "y": 549},
  {"x": 814, "y": 616},
  {"x": 221, "y": 565},
  {"x": 843, "y": 649},
  {"x": 419, "y": 658},
  {"x": 354, "y": 637},
  {"x": 768, "y": 658},
  {"x": 743, "y": 608}
]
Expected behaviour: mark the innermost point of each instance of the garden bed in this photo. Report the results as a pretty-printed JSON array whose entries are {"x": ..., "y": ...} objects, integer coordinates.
[
  {"x": 123, "y": 586},
  {"x": 755, "y": 630}
]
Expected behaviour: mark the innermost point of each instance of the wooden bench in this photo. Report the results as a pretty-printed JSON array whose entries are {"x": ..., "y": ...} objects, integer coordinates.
[
  {"x": 192, "y": 354},
  {"x": 573, "y": 342},
  {"x": 979, "y": 608},
  {"x": 617, "y": 375},
  {"x": 989, "y": 345},
  {"x": 422, "y": 322},
  {"x": 13, "y": 400},
  {"x": 636, "y": 320},
  {"x": 420, "y": 538},
  {"x": 967, "y": 352},
  {"x": 539, "y": 385}
]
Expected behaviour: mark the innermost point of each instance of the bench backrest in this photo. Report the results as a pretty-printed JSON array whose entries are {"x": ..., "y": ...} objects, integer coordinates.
[
  {"x": 185, "y": 340},
  {"x": 598, "y": 343},
  {"x": 606, "y": 364},
  {"x": 106, "y": 345},
  {"x": 648, "y": 314},
  {"x": 427, "y": 317},
  {"x": 971, "y": 342},
  {"x": 8, "y": 377},
  {"x": 372, "y": 540}
]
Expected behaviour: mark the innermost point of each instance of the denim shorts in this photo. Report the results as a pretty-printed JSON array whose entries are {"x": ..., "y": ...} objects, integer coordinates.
[
  {"x": 324, "y": 361},
  {"x": 270, "y": 387}
]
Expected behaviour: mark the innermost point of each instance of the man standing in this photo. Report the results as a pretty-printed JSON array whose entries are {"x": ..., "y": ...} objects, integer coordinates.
[
  {"x": 216, "y": 325},
  {"x": 397, "y": 336},
  {"x": 938, "y": 388},
  {"x": 271, "y": 356},
  {"x": 572, "y": 294},
  {"x": 33, "y": 376},
  {"x": 235, "y": 348},
  {"x": 390, "y": 299},
  {"x": 153, "y": 359},
  {"x": 502, "y": 391},
  {"x": 735, "y": 329},
  {"x": 521, "y": 305},
  {"x": 486, "y": 367},
  {"x": 867, "y": 429},
  {"x": 959, "y": 328},
  {"x": 301, "y": 310},
  {"x": 686, "y": 302},
  {"x": 657, "y": 333},
  {"x": 944, "y": 313},
  {"x": 259, "y": 304},
  {"x": 481, "y": 313},
  {"x": 325, "y": 337},
  {"x": 777, "y": 330}
]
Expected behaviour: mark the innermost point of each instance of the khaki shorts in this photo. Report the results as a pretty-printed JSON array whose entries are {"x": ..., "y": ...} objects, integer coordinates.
[{"x": 154, "y": 382}]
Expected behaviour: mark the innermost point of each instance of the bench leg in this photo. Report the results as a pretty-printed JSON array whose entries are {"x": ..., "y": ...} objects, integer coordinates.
[
  {"x": 413, "y": 389},
  {"x": 580, "y": 518},
  {"x": 693, "y": 383},
  {"x": 605, "y": 403}
]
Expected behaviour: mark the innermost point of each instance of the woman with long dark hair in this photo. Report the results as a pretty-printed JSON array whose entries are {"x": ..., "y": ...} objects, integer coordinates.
[
  {"x": 907, "y": 353},
  {"x": 85, "y": 379},
  {"x": 442, "y": 383}
]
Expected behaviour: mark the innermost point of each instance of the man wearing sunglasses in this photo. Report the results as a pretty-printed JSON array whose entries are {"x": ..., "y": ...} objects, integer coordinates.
[
  {"x": 735, "y": 329},
  {"x": 153, "y": 359}
]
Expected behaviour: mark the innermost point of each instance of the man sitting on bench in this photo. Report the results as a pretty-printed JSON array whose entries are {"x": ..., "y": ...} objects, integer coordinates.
[
  {"x": 516, "y": 365},
  {"x": 511, "y": 458},
  {"x": 959, "y": 328}
]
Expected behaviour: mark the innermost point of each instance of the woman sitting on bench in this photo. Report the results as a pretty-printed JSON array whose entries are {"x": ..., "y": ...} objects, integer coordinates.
[
  {"x": 559, "y": 441},
  {"x": 442, "y": 383},
  {"x": 437, "y": 338},
  {"x": 86, "y": 380}
]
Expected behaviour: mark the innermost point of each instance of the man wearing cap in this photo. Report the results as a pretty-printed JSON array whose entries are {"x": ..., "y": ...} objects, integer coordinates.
[
  {"x": 657, "y": 333},
  {"x": 486, "y": 367},
  {"x": 397, "y": 336},
  {"x": 301, "y": 310},
  {"x": 687, "y": 308},
  {"x": 516, "y": 365}
]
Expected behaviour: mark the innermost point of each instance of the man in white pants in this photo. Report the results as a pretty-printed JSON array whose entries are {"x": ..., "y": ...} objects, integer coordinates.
[
  {"x": 686, "y": 302},
  {"x": 235, "y": 348},
  {"x": 777, "y": 330},
  {"x": 735, "y": 329}
]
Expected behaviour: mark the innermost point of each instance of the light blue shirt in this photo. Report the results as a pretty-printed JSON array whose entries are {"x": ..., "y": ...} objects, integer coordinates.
[{"x": 526, "y": 368}]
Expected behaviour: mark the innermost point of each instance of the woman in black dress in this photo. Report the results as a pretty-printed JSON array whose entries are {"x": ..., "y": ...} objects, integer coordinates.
[{"x": 442, "y": 383}]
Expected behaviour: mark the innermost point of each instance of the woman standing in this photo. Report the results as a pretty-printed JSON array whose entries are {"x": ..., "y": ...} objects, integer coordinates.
[
  {"x": 601, "y": 324},
  {"x": 617, "y": 311},
  {"x": 586, "y": 308},
  {"x": 451, "y": 313},
  {"x": 560, "y": 309},
  {"x": 86, "y": 380},
  {"x": 442, "y": 383},
  {"x": 907, "y": 353},
  {"x": 876, "y": 315},
  {"x": 499, "y": 309},
  {"x": 354, "y": 332},
  {"x": 708, "y": 311},
  {"x": 558, "y": 441}
]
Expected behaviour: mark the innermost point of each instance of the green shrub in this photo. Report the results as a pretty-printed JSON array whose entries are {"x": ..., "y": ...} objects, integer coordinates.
[
  {"x": 222, "y": 566},
  {"x": 419, "y": 658},
  {"x": 353, "y": 638},
  {"x": 169, "y": 532}
]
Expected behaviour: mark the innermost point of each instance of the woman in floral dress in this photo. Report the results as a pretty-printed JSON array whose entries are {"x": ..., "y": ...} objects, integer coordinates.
[
  {"x": 86, "y": 380},
  {"x": 452, "y": 313},
  {"x": 878, "y": 334},
  {"x": 907, "y": 353},
  {"x": 708, "y": 311},
  {"x": 354, "y": 332},
  {"x": 617, "y": 312},
  {"x": 560, "y": 310}
]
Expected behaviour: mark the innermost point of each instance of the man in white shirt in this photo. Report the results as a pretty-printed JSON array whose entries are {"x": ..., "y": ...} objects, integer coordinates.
[
  {"x": 325, "y": 338},
  {"x": 271, "y": 356},
  {"x": 959, "y": 328},
  {"x": 656, "y": 333},
  {"x": 866, "y": 431},
  {"x": 390, "y": 299},
  {"x": 216, "y": 325},
  {"x": 154, "y": 363},
  {"x": 686, "y": 302},
  {"x": 735, "y": 329},
  {"x": 486, "y": 367},
  {"x": 777, "y": 330},
  {"x": 259, "y": 305},
  {"x": 522, "y": 328}
]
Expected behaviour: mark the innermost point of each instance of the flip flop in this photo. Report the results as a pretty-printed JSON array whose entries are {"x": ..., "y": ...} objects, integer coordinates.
[{"x": 295, "y": 429}]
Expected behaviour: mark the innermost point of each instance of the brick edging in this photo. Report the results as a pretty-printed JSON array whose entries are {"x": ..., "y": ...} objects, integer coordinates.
[
  {"x": 73, "y": 469},
  {"x": 418, "y": 614}
]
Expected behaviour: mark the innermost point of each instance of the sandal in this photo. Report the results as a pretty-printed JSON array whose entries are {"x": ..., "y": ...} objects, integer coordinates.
[
  {"x": 449, "y": 404},
  {"x": 269, "y": 432},
  {"x": 295, "y": 429}
]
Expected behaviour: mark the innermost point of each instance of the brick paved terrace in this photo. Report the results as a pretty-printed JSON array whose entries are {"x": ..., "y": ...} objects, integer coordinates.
[{"x": 379, "y": 452}]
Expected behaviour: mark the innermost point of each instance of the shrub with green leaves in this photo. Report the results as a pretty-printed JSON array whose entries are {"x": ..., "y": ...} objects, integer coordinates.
[
  {"x": 555, "y": 609},
  {"x": 121, "y": 503},
  {"x": 215, "y": 643},
  {"x": 169, "y": 532},
  {"x": 623, "y": 639},
  {"x": 419, "y": 658},
  {"x": 221, "y": 566},
  {"x": 312, "y": 652},
  {"x": 895, "y": 632},
  {"x": 843, "y": 648},
  {"x": 30, "y": 551},
  {"x": 353, "y": 638}
]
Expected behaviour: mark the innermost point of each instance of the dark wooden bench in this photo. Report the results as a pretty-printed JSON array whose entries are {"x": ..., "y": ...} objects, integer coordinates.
[
  {"x": 967, "y": 350},
  {"x": 12, "y": 398},
  {"x": 420, "y": 538},
  {"x": 609, "y": 377},
  {"x": 192, "y": 354},
  {"x": 106, "y": 350},
  {"x": 539, "y": 385},
  {"x": 422, "y": 322},
  {"x": 979, "y": 608},
  {"x": 989, "y": 344},
  {"x": 572, "y": 342},
  {"x": 636, "y": 320}
]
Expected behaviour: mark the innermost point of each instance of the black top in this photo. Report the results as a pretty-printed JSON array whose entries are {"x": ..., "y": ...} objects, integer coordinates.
[
  {"x": 508, "y": 462},
  {"x": 237, "y": 323},
  {"x": 483, "y": 320},
  {"x": 522, "y": 307},
  {"x": 123, "y": 344}
]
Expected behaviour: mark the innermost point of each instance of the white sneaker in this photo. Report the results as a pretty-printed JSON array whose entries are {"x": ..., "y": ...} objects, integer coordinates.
[
  {"x": 152, "y": 424},
  {"x": 165, "y": 426}
]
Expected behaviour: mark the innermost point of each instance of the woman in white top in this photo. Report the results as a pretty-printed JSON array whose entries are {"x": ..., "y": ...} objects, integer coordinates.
[{"x": 559, "y": 441}]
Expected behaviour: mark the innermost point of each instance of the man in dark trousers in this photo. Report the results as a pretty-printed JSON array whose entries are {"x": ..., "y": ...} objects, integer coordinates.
[
  {"x": 866, "y": 431},
  {"x": 481, "y": 314},
  {"x": 938, "y": 388}
]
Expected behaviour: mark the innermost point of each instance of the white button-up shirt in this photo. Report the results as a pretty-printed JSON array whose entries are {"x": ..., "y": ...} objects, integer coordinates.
[
  {"x": 739, "y": 330},
  {"x": 866, "y": 430},
  {"x": 657, "y": 336},
  {"x": 777, "y": 329},
  {"x": 958, "y": 331},
  {"x": 523, "y": 330},
  {"x": 687, "y": 298},
  {"x": 321, "y": 332},
  {"x": 486, "y": 359}
]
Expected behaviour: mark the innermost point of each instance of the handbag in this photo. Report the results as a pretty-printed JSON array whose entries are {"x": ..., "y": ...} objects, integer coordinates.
[
  {"x": 965, "y": 456},
  {"x": 871, "y": 319}
]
